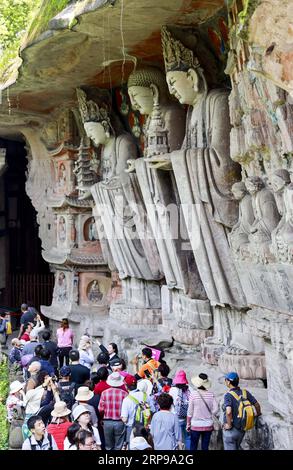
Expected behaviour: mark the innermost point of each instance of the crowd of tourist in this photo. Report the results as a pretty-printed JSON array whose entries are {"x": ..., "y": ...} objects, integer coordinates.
[{"x": 70, "y": 401}]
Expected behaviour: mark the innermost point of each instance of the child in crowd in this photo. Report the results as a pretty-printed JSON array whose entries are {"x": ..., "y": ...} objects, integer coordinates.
[{"x": 15, "y": 398}]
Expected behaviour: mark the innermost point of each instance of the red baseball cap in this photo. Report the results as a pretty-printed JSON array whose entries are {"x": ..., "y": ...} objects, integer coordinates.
[{"x": 130, "y": 380}]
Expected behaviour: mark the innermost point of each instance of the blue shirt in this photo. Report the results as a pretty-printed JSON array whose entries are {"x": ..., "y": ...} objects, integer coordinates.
[
  {"x": 45, "y": 365},
  {"x": 229, "y": 400}
]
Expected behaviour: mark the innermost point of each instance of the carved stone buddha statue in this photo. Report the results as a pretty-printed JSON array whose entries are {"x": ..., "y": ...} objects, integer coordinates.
[
  {"x": 280, "y": 180},
  {"x": 282, "y": 236},
  {"x": 164, "y": 132},
  {"x": 265, "y": 211},
  {"x": 205, "y": 173},
  {"x": 119, "y": 204},
  {"x": 241, "y": 230}
]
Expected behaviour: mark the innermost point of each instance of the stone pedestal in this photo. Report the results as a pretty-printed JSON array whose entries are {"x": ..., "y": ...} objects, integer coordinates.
[
  {"x": 250, "y": 366},
  {"x": 135, "y": 316}
]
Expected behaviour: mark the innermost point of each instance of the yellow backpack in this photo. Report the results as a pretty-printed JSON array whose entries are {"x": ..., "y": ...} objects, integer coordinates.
[{"x": 246, "y": 412}]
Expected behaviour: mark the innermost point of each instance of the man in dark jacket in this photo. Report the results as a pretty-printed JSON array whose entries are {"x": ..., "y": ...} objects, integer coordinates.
[
  {"x": 112, "y": 350},
  {"x": 52, "y": 347},
  {"x": 79, "y": 373}
]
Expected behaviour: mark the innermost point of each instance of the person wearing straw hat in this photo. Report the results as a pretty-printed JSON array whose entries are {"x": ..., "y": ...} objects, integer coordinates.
[
  {"x": 14, "y": 399},
  {"x": 60, "y": 423},
  {"x": 202, "y": 406},
  {"x": 110, "y": 408},
  {"x": 84, "y": 394}
]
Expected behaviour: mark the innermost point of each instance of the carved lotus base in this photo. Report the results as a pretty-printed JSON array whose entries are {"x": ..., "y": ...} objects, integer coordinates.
[
  {"x": 251, "y": 366},
  {"x": 135, "y": 316},
  {"x": 193, "y": 337},
  {"x": 212, "y": 352}
]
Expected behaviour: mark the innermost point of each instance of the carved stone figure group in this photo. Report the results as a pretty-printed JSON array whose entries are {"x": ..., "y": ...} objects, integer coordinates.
[{"x": 264, "y": 231}]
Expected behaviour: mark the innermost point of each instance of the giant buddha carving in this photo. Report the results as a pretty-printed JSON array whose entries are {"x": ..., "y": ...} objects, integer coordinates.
[
  {"x": 119, "y": 204},
  {"x": 204, "y": 172}
]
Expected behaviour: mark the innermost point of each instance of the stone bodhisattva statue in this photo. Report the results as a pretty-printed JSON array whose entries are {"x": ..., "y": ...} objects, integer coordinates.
[
  {"x": 280, "y": 181},
  {"x": 205, "y": 173},
  {"x": 266, "y": 218},
  {"x": 164, "y": 132},
  {"x": 119, "y": 204},
  {"x": 240, "y": 232}
]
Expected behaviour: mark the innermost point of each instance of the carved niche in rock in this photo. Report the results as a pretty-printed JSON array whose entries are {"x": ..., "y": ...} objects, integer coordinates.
[
  {"x": 61, "y": 231},
  {"x": 266, "y": 216},
  {"x": 60, "y": 294},
  {"x": 204, "y": 172},
  {"x": 94, "y": 293},
  {"x": 90, "y": 230}
]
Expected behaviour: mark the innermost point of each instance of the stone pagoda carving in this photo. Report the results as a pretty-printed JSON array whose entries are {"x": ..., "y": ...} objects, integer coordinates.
[{"x": 82, "y": 279}]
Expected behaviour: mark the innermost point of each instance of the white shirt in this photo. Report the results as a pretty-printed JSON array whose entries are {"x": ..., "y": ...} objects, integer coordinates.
[
  {"x": 68, "y": 446},
  {"x": 86, "y": 358},
  {"x": 128, "y": 406},
  {"x": 45, "y": 445}
]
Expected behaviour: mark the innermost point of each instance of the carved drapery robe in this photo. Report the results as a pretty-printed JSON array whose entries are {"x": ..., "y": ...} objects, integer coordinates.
[
  {"x": 160, "y": 194},
  {"x": 204, "y": 174},
  {"x": 120, "y": 207}
]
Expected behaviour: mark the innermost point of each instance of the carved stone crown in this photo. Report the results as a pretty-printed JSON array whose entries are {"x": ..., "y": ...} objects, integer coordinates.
[
  {"x": 176, "y": 56},
  {"x": 91, "y": 111}
]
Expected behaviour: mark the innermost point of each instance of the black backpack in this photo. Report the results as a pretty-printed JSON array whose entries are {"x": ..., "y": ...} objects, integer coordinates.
[
  {"x": 67, "y": 393},
  {"x": 34, "y": 446}
]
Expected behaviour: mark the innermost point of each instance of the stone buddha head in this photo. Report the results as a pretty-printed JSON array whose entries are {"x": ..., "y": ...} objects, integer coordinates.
[
  {"x": 95, "y": 118},
  {"x": 184, "y": 75},
  {"x": 254, "y": 184},
  {"x": 280, "y": 178},
  {"x": 239, "y": 190},
  {"x": 144, "y": 85}
]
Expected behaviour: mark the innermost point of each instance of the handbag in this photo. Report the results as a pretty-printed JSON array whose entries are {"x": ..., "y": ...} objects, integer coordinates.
[{"x": 216, "y": 422}]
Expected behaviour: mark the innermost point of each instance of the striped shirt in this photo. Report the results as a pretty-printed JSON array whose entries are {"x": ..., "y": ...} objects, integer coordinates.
[
  {"x": 198, "y": 413},
  {"x": 111, "y": 403}
]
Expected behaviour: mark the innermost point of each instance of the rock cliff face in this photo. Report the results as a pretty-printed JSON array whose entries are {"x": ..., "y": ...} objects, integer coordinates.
[{"x": 196, "y": 163}]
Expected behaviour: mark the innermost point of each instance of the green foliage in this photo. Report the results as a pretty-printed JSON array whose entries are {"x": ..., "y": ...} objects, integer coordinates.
[
  {"x": 47, "y": 10},
  {"x": 15, "y": 15},
  {"x": 4, "y": 386}
]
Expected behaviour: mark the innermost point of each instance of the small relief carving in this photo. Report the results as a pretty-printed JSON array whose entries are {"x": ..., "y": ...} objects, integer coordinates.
[
  {"x": 266, "y": 216},
  {"x": 61, "y": 289},
  {"x": 61, "y": 176},
  {"x": 75, "y": 295},
  {"x": 90, "y": 230},
  {"x": 62, "y": 229},
  {"x": 240, "y": 232},
  {"x": 282, "y": 236},
  {"x": 94, "y": 293}
]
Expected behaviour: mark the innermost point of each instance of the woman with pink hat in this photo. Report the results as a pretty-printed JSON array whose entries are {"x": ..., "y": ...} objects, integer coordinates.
[{"x": 180, "y": 393}]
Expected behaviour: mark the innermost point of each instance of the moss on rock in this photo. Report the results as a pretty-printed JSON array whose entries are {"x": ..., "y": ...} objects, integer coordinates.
[{"x": 47, "y": 10}]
